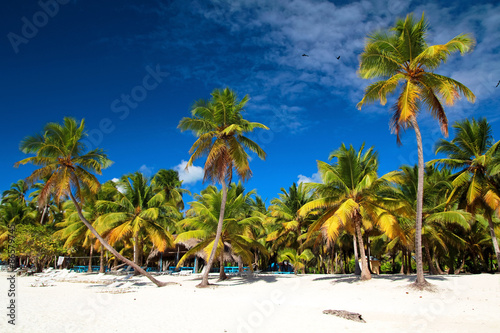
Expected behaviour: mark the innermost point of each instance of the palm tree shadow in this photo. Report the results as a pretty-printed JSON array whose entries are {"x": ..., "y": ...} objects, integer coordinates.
[
  {"x": 238, "y": 280},
  {"x": 391, "y": 277}
]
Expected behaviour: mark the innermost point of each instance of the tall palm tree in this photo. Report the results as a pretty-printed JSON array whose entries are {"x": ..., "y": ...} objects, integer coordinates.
[
  {"x": 347, "y": 198},
  {"x": 405, "y": 63},
  {"x": 220, "y": 128},
  {"x": 475, "y": 155},
  {"x": 137, "y": 212},
  {"x": 63, "y": 158}
]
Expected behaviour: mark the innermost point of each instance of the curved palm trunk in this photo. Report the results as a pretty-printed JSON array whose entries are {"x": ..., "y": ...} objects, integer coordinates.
[
  {"x": 365, "y": 272},
  {"x": 495, "y": 241},
  {"x": 204, "y": 280},
  {"x": 110, "y": 248},
  {"x": 420, "y": 282}
]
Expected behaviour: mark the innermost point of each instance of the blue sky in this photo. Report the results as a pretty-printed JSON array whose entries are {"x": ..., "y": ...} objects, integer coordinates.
[{"x": 133, "y": 68}]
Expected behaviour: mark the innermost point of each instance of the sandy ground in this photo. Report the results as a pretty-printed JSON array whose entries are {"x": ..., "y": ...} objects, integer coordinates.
[{"x": 266, "y": 303}]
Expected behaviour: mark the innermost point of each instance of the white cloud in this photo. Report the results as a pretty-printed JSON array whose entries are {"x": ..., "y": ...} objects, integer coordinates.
[
  {"x": 315, "y": 178},
  {"x": 145, "y": 170},
  {"x": 190, "y": 175},
  {"x": 120, "y": 189},
  {"x": 271, "y": 36}
]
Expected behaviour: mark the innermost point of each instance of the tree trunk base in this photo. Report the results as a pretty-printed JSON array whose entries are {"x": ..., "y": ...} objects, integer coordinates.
[{"x": 423, "y": 286}]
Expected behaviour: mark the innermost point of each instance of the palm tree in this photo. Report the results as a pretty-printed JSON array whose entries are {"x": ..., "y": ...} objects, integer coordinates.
[
  {"x": 438, "y": 216},
  {"x": 17, "y": 191},
  {"x": 137, "y": 212},
  {"x": 62, "y": 155},
  {"x": 348, "y": 198},
  {"x": 289, "y": 225},
  {"x": 168, "y": 181},
  {"x": 220, "y": 128},
  {"x": 402, "y": 59},
  {"x": 236, "y": 238},
  {"x": 297, "y": 260},
  {"x": 475, "y": 155}
]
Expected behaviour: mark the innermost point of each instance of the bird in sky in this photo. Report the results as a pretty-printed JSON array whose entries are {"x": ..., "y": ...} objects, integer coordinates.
[
  {"x": 338, "y": 57},
  {"x": 305, "y": 55},
  {"x": 497, "y": 84}
]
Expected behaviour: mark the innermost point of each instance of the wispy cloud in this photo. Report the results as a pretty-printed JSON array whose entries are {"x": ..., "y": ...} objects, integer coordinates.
[
  {"x": 119, "y": 187},
  {"x": 256, "y": 47},
  {"x": 315, "y": 178},
  {"x": 145, "y": 170},
  {"x": 190, "y": 175}
]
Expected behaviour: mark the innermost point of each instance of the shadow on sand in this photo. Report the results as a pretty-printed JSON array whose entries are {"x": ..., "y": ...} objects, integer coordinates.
[{"x": 351, "y": 278}]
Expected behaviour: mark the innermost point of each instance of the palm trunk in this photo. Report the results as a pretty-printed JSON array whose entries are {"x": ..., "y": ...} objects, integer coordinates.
[
  {"x": 420, "y": 282},
  {"x": 90, "y": 259},
  {"x": 365, "y": 272},
  {"x": 432, "y": 269},
  {"x": 101, "y": 260},
  {"x": 357, "y": 270},
  {"x": 408, "y": 261},
  {"x": 43, "y": 214},
  {"x": 204, "y": 281},
  {"x": 109, "y": 247},
  {"x": 222, "y": 274},
  {"x": 369, "y": 254},
  {"x": 494, "y": 241},
  {"x": 440, "y": 271},
  {"x": 403, "y": 261},
  {"x": 136, "y": 252}
]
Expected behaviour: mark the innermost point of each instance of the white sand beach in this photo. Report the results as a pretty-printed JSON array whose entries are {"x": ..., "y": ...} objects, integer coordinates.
[{"x": 266, "y": 303}]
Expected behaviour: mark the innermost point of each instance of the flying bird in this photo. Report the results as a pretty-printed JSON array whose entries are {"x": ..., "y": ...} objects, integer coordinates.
[
  {"x": 338, "y": 57},
  {"x": 497, "y": 84},
  {"x": 305, "y": 55}
]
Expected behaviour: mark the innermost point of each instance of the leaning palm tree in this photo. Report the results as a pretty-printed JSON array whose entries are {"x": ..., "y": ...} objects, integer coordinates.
[
  {"x": 475, "y": 155},
  {"x": 220, "y": 128},
  {"x": 405, "y": 63},
  {"x": 348, "y": 200},
  {"x": 62, "y": 155}
]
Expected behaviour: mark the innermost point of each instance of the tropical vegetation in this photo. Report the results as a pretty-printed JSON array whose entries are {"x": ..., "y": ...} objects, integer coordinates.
[{"x": 341, "y": 224}]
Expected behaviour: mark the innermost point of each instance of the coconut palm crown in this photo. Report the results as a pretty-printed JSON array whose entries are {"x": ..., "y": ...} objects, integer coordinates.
[
  {"x": 401, "y": 58},
  {"x": 220, "y": 127},
  {"x": 60, "y": 152}
]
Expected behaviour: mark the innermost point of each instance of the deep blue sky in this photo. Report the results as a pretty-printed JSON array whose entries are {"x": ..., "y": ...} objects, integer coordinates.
[{"x": 90, "y": 54}]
